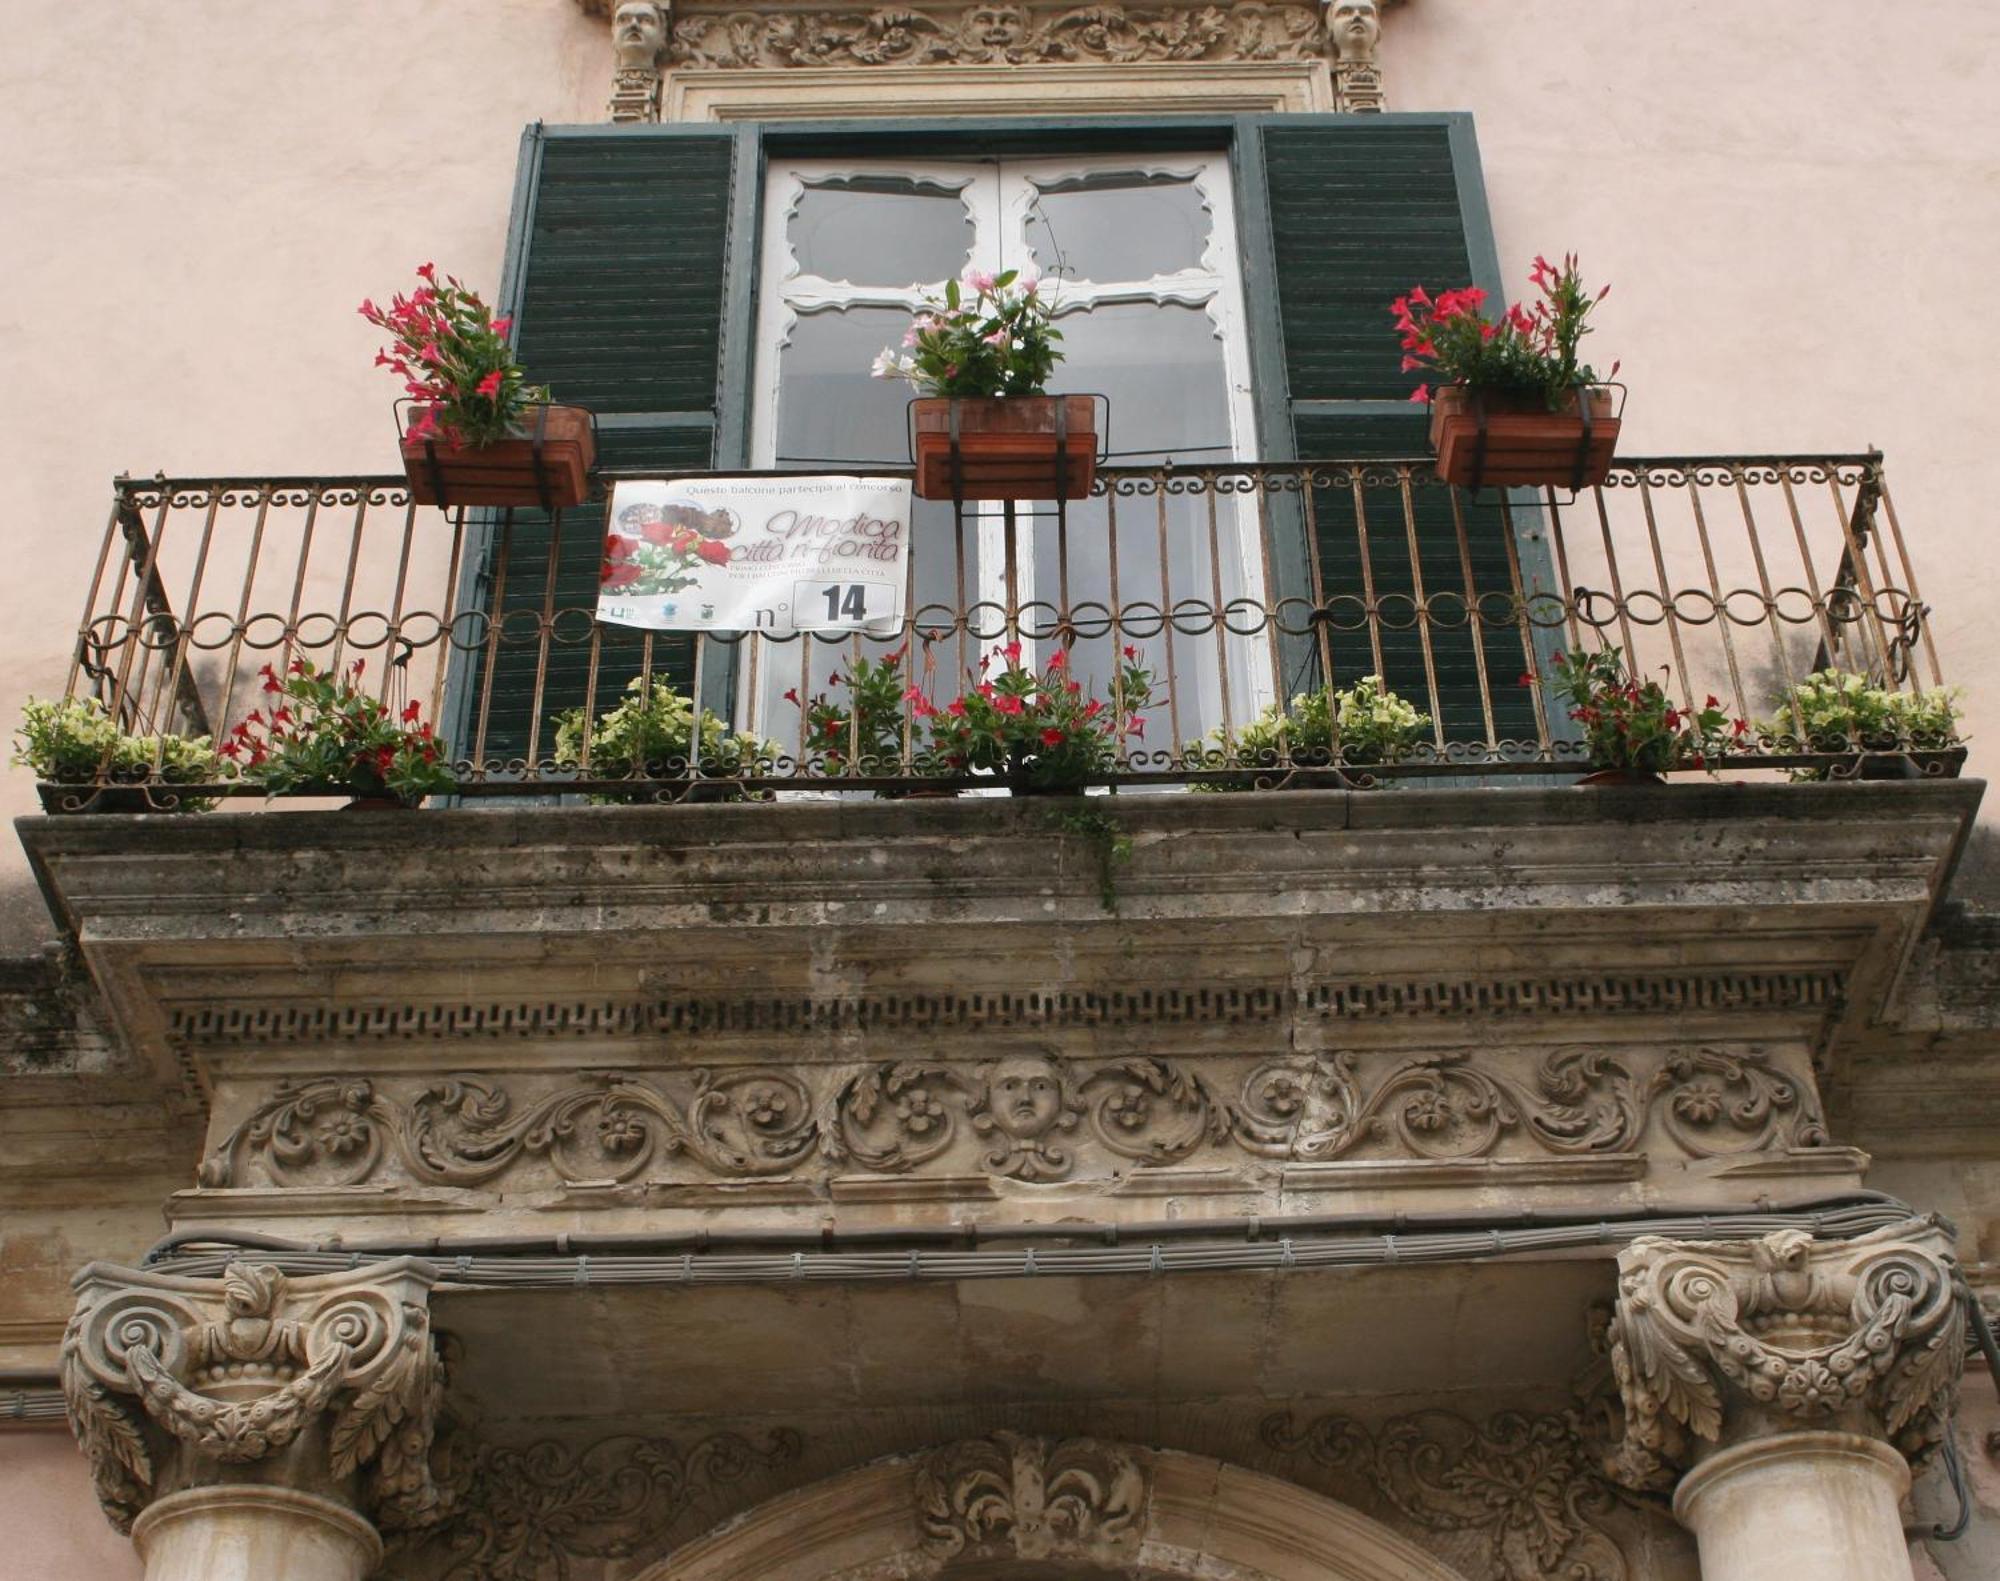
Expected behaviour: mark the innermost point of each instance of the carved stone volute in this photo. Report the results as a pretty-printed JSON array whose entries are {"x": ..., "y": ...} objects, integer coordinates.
[
  {"x": 1014, "y": 1497},
  {"x": 1717, "y": 1343},
  {"x": 327, "y": 1383}
]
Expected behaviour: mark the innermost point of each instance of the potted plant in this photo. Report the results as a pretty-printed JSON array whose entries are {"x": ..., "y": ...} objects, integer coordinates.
[
  {"x": 1634, "y": 729},
  {"x": 475, "y": 432},
  {"x": 320, "y": 734},
  {"x": 1510, "y": 402},
  {"x": 1838, "y": 711},
  {"x": 1044, "y": 731},
  {"x": 980, "y": 359},
  {"x": 864, "y": 733},
  {"x": 1376, "y": 726},
  {"x": 648, "y": 737},
  {"x": 79, "y": 744}
]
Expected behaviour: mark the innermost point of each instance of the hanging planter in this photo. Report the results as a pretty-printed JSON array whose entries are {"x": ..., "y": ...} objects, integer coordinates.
[
  {"x": 1512, "y": 405},
  {"x": 1485, "y": 440},
  {"x": 1022, "y": 447},
  {"x": 472, "y": 430},
  {"x": 546, "y": 464}
]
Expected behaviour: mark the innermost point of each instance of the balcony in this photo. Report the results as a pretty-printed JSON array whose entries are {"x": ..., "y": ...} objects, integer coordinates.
[
  {"x": 1239, "y": 585},
  {"x": 1364, "y": 986}
]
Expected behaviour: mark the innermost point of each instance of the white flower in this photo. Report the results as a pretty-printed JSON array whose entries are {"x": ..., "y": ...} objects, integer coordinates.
[{"x": 889, "y": 365}]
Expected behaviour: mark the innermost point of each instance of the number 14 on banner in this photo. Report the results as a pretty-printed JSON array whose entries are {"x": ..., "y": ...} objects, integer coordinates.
[{"x": 874, "y": 607}]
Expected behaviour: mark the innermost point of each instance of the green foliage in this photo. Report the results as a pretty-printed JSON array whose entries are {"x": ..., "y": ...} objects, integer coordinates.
[
  {"x": 71, "y": 743},
  {"x": 453, "y": 358},
  {"x": 996, "y": 340},
  {"x": 649, "y": 735},
  {"x": 869, "y": 724},
  {"x": 1045, "y": 727},
  {"x": 1840, "y": 711},
  {"x": 1109, "y": 842},
  {"x": 1635, "y": 724},
  {"x": 1376, "y": 726},
  {"x": 1528, "y": 352},
  {"x": 319, "y": 733}
]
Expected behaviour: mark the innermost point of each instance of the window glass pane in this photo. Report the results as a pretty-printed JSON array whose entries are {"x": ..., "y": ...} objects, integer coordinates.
[
  {"x": 1118, "y": 227},
  {"x": 881, "y": 230},
  {"x": 1161, "y": 366}
]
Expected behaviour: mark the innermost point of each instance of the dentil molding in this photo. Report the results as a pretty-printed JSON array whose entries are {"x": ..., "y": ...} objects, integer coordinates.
[{"x": 1716, "y": 1343}]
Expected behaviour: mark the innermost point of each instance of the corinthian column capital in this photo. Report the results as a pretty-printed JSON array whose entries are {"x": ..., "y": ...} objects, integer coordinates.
[
  {"x": 1716, "y": 1343},
  {"x": 328, "y": 1384}
]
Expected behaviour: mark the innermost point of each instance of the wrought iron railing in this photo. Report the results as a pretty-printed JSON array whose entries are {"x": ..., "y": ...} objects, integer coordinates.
[{"x": 1240, "y": 585}]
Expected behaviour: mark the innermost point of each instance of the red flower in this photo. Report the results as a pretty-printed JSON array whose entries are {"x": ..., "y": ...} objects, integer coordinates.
[
  {"x": 1052, "y": 737},
  {"x": 1007, "y": 703},
  {"x": 502, "y": 325},
  {"x": 1130, "y": 651},
  {"x": 1421, "y": 393},
  {"x": 792, "y": 695},
  {"x": 411, "y": 710},
  {"x": 428, "y": 271},
  {"x": 1092, "y": 709},
  {"x": 618, "y": 547},
  {"x": 616, "y": 578},
  {"x": 711, "y": 551},
  {"x": 1059, "y": 659},
  {"x": 1011, "y": 652},
  {"x": 956, "y": 708},
  {"x": 490, "y": 385}
]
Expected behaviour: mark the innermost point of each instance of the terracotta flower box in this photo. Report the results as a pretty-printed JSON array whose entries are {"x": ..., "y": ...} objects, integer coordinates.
[
  {"x": 548, "y": 465},
  {"x": 1007, "y": 447},
  {"x": 1508, "y": 441}
]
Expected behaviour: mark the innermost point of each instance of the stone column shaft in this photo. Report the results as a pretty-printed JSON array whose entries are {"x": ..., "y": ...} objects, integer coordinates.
[
  {"x": 244, "y": 1532},
  {"x": 1799, "y": 1507}
]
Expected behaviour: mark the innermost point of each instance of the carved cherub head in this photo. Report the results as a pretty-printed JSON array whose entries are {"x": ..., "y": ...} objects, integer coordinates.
[
  {"x": 1354, "y": 27},
  {"x": 639, "y": 34},
  {"x": 1025, "y": 1097},
  {"x": 994, "y": 28}
]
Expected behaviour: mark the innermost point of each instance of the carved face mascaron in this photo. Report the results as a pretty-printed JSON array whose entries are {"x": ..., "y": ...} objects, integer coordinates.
[
  {"x": 1024, "y": 1097},
  {"x": 1355, "y": 27},
  {"x": 994, "y": 27},
  {"x": 638, "y": 30}
]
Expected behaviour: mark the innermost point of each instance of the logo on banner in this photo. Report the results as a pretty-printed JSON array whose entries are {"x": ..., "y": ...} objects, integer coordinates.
[{"x": 776, "y": 555}]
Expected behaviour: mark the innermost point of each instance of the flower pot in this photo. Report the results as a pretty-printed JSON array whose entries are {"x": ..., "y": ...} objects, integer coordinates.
[
  {"x": 547, "y": 465},
  {"x": 1022, "y": 447},
  {"x": 1501, "y": 441},
  {"x": 1607, "y": 777},
  {"x": 95, "y": 798},
  {"x": 379, "y": 804}
]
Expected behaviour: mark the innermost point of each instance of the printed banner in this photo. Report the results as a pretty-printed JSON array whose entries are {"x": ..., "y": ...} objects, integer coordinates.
[{"x": 776, "y": 555}]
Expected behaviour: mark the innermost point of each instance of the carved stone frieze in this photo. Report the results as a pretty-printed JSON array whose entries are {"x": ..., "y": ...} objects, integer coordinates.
[
  {"x": 1015, "y": 1497},
  {"x": 233, "y": 1371},
  {"x": 527, "y": 1513},
  {"x": 1033, "y": 1117},
  {"x": 1524, "y": 1486},
  {"x": 1715, "y": 1342}
]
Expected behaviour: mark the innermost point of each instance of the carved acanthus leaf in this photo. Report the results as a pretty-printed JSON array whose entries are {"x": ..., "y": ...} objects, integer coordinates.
[
  {"x": 1715, "y": 1339},
  {"x": 1524, "y": 1484},
  {"x": 235, "y": 1369}
]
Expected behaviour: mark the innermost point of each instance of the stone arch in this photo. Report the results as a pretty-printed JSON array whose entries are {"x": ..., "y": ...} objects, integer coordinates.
[{"x": 1016, "y": 1508}]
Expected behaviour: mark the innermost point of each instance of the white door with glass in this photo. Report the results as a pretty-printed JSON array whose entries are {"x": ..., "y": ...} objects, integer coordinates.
[{"x": 1140, "y": 260}]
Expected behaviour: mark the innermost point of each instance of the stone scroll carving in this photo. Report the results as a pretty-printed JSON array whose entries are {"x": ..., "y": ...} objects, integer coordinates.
[
  {"x": 528, "y": 1512},
  {"x": 232, "y": 1371},
  {"x": 1720, "y": 1341},
  {"x": 1522, "y": 1486},
  {"x": 1031, "y": 1117},
  {"x": 1014, "y": 1497}
]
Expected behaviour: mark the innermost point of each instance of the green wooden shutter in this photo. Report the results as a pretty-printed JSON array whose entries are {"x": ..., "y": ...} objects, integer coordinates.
[
  {"x": 1361, "y": 209},
  {"x": 618, "y": 271}
]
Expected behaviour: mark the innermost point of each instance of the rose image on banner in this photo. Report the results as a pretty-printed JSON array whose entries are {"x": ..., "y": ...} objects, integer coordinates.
[{"x": 776, "y": 555}]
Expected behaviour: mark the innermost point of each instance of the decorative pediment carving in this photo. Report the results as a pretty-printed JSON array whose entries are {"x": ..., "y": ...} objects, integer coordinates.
[
  {"x": 1717, "y": 1341},
  {"x": 232, "y": 1371}
]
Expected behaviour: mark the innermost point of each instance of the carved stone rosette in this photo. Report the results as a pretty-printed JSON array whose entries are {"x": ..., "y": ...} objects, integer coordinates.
[
  {"x": 169, "y": 1378},
  {"x": 1716, "y": 1343},
  {"x": 1013, "y": 1497}
]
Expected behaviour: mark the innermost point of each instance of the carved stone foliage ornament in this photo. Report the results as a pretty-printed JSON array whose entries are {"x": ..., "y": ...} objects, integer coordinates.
[
  {"x": 1032, "y": 1117},
  {"x": 1014, "y": 1497},
  {"x": 1522, "y": 1486},
  {"x": 234, "y": 1370},
  {"x": 1721, "y": 1341},
  {"x": 528, "y": 1513},
  {"x": 706, "y": 35}
]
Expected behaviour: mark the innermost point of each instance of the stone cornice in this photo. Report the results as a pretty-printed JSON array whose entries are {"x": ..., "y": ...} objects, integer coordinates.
[
  {"x": 169, "y": 1378},
  {"x": 1720, "y": 1343}
]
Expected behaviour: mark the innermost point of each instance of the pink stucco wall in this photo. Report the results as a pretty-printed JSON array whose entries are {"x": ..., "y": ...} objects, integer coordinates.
[{"x": 55, "y": 1531}]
